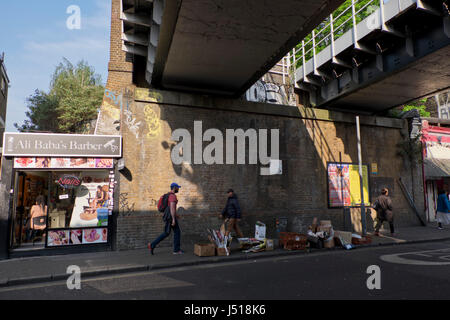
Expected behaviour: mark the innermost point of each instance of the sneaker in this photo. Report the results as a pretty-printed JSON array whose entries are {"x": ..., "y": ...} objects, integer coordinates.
[
  {"x": 179, "y": 252},
  {"x": 440, "y": 228},
  {"x": 149, "y": 246}
]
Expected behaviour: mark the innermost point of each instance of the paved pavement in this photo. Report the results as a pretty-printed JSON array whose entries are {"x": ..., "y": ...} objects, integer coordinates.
[
  {"x": 21, "y": 271},
  {"x": 371, "y": 273}
]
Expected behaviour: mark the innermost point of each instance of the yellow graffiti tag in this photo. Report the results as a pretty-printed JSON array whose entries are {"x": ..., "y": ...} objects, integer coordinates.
[
  {"x": 141, "y": 94},
  {"x": 153, "y": 122},
  {"x": 110, "y": 110}
]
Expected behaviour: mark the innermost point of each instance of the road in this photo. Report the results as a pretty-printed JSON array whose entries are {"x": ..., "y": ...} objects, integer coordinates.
[{"x": 419, "y": 271}]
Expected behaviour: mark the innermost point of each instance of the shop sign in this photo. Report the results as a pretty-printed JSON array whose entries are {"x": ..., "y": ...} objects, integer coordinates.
[
  {"x": 69, "y": 182},
  {"x": 62, "y": 145}
]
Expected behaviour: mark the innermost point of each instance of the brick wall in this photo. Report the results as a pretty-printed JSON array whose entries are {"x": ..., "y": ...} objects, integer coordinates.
[
  {"x": 120, "y": 75},
  {"x": 299, "y": 194}
]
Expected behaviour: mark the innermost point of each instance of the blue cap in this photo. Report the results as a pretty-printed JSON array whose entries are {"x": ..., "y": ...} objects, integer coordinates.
[{"x": 173, "y": 185}]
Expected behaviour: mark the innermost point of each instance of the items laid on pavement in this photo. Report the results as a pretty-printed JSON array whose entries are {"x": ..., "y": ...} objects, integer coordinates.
[
  {"x": 205, "y": 250},
  {"x": 319, "y": 235}
]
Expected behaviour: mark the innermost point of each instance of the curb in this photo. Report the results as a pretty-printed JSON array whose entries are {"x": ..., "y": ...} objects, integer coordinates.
[{"x": 7, "y": 283}]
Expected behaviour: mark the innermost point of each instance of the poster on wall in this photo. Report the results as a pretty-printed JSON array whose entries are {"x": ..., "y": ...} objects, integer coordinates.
[
  {"x": 92, "y": 201},
  {"x": 344, "y": 187},
  {"x": 338, "y": 185},
  {"x": 91, "y": 236},
  {"x": 62, "y": 163},
  {"x": 76, "y": 236},
  {"x": 58, "y": 238},
  {"x": 355, "y": 186}
]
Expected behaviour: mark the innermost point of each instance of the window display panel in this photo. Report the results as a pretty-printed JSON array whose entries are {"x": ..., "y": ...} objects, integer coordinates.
[{"x": 80, "y": 199}]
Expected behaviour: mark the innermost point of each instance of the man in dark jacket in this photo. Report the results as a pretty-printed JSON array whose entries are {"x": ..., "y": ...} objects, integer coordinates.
[
  {"x": 383, "y": 206},
  {"x": 232, "y": 212}
]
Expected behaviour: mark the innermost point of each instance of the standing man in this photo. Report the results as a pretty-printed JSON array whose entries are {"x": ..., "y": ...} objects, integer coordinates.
[
  {"x": 171, "y": 222},
  {"x": 232, "y": 213},
  {"x": 383, "y": 206},
  {"x": 443, "y": 209}
]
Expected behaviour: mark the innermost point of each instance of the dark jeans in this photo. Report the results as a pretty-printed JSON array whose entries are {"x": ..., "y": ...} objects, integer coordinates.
[
  {"x": 176, "y": 236},
  {"x": 380, "y": 223}
]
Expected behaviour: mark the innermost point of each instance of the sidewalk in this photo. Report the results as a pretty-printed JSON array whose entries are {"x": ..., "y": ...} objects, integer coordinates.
[{"x": 51, "y": 268}]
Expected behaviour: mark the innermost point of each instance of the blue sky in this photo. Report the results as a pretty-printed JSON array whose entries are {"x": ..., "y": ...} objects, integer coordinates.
[{"x": 35, "y": 38}]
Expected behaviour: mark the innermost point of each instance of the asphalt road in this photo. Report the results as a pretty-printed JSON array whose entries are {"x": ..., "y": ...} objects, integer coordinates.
[{"x": 420, "y": 271}]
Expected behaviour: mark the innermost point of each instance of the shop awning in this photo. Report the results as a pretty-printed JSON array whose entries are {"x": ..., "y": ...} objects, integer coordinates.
[{"x": 436, "y": 168}]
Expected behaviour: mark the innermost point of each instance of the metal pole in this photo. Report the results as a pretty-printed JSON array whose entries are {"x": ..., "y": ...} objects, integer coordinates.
[{"x": 363, "y": 207}]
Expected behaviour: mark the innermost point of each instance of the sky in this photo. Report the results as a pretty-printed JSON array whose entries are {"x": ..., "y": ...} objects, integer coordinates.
[{"x": 35, "y": 38}]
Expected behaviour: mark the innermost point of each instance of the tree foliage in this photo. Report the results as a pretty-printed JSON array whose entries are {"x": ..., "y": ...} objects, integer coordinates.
[
  {"x": 420, "y": 106},
  {"x": 75, "y": 94}
]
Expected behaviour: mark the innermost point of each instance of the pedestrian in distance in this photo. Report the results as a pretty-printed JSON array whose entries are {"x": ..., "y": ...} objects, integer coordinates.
[
  {"x": 383, "y": 206},
  {"x": 169, "y": 202},
  {"x": 232, "y": 214},
  {"x": 443, "y": 209}
]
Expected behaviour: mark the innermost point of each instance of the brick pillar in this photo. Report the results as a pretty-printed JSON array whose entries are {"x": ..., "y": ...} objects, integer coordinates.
[
  {"x": 120, "y": 72},
  {"x": 120, "y": 75}
]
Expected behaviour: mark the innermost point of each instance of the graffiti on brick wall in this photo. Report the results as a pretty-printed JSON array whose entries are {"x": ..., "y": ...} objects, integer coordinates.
[
  {"x": 114, "y": 98},
  {"x": 147, "y": 95},
  {"x": 132, "y": 123},
  {"x": 443, "y": 104},
  {"x": 153, "y": 121},
  {"x": 267, "y": 92},
  {"x": 126, "y": 209}
]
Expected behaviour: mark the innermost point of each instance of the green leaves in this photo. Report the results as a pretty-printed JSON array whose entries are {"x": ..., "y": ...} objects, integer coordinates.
[
  {"x": 76, "y": 93},
  {"x": 420, "y": 106}
]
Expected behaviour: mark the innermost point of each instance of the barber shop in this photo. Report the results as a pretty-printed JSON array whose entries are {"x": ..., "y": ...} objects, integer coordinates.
[{"x": 61, "y": 191}]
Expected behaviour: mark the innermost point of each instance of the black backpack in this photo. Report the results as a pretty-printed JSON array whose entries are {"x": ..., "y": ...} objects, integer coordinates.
[{"x": 163, "y": 206}]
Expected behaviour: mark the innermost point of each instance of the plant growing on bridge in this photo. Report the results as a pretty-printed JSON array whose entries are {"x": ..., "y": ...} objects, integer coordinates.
[
  {"x": 342, "y": 22},
  {"x": 419, "y": 106}
]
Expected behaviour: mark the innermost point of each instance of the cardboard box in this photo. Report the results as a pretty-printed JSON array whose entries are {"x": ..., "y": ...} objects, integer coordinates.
[
  {"x": 269, "y": 244},
  {"x": 223, "y": 251},
  {"x": 345, "y": 235},
  {"x": 324, "y": 228},
  {"x": 328, "y": 243},
  {"x": 205, "y": 250}
]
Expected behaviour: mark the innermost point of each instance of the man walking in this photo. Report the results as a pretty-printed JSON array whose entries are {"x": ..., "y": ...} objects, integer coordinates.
[
  {"x": 232, "y": 212},
  {"x": 171, "y": 222},
  {"x": 383, "y": 206}
]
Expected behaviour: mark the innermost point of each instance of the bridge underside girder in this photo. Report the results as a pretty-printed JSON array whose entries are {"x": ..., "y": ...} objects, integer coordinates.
[
  {"x": 388, "y": 69},
  {"x": 217, "y": 47}
]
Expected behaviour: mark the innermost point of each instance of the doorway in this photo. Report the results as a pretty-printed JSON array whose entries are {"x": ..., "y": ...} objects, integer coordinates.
[{"x": 27, "y": 233}]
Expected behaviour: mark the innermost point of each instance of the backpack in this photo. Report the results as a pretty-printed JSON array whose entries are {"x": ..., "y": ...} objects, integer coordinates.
[
  {"x": 163, "y": 202},
  {"x": 163, "y": 206}
]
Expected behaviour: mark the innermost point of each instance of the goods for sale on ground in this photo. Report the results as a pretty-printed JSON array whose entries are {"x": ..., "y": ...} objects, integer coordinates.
[
  {"x": 205, "y": 250},
  {"x": 345, "y": 235},
  {"x": 321, "y": 235},
  {"x": 260, "y": 230},
  {"x": 269, "y": 245},
  {"x": 358, "y": 240},
  {"x": 258, "y": 248},
  {"x": 247, "y": 243},
  {"x": 220, "y": 240},
  {"x": 293, "y": 241}
]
